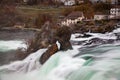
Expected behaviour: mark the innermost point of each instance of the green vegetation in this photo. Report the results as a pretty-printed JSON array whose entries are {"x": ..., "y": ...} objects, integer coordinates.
[{"x": 102, "y": 7}]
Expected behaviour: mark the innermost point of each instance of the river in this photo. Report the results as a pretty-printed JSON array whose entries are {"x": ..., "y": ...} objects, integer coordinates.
[
  {"x": 93, "y": 58},
  {"x": 12, "y": 42}
]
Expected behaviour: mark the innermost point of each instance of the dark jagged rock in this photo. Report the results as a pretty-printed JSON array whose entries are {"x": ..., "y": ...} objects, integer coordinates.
[
  {"x": 77, "y": 42},
  {"x": 43, "y": 38},
  {"x": 97, "y": 41},
  {"x": 94, "y": 28},
  {"x": 51, "y": 50},
  {"x": 84, "y": 36},
  {"x": 63, "y": 36},
  {"x": 118, "y": 36}
]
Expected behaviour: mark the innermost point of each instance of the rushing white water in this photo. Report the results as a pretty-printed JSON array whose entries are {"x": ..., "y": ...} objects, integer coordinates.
[
  {"x": 59, "y": 65},
  {"x": 62, "y": 66},
  {"x": 12, "y": 45},
  {"x": 95, "y": 35},
  {"x": 93, "y": 63}
]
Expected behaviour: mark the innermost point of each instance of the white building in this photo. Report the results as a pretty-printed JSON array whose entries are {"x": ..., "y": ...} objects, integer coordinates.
[
  {"x": 73, "y": 18},
  {"x": 69, "y": 2},
  {"x": 101, "y": 16},
  {"x": 115, "y": 11}
]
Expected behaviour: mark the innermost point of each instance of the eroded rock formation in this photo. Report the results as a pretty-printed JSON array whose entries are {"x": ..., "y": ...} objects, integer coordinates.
[
  {"x": 62, "y": 35},
  {"x": 51, "y": 50}
]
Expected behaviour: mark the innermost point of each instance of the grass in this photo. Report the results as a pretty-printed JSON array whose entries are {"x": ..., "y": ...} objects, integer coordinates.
[{"x": 34, "y": 10}]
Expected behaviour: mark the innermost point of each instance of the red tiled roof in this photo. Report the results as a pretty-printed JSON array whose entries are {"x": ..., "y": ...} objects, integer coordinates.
[{"x": 75, "y": 15}]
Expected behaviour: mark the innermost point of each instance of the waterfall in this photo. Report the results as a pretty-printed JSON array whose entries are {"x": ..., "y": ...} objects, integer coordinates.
[
  {"x": 63, "y": 66},
  {"x": 84, "y": 62}
]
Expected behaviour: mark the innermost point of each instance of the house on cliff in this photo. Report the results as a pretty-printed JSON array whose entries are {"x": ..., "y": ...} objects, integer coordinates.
[{"x": 73, "y": 18}]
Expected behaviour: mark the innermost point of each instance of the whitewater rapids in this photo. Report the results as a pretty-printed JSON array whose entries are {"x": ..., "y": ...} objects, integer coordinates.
[{"x": 91, "y": 63}]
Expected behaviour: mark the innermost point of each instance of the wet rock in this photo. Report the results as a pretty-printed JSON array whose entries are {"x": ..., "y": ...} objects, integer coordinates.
[
  {"x": 83, "y": 28},
  {"x": 44, "y": 38},
  {"x": 118, "y": 36},
  {"x": 51, "y": 50},
  {"x": 63, "y": 36},
  {"x": 77, "y": 42},
  {"x": 97, "y": 41},
  {"x": 84, "y": 36}
]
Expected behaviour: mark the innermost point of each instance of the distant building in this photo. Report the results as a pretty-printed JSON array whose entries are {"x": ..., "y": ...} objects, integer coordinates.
[
  {"x": 114, "y": 13},
  {"x": 101, "y": 16},
  {"x": 69, "y": 2},
  {"x": 19, "y": 25},
  {"x": 79, "y": 1},
  {"x": 73, "y": 18}
]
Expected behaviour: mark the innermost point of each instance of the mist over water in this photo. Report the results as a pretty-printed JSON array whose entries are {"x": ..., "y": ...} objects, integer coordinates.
[
  {"x": 12, "y": 45},
  {"x": 84, "y": 62},
  {"x": 63, "y": 66}
]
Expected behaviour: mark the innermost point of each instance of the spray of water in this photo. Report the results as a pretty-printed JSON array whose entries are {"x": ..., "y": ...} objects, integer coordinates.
[{"x": 99, "y": 63}]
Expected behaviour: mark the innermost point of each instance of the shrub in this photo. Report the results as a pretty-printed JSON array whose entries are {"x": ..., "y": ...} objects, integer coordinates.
[
  {"x": 102, "y": 7},
  {"x": 7, "y": 15},
  {"x": 67, "y": 11},
  {"x": 32, "y": 2},
  {"x": 41, "y": 19},
  {"x": 87, "y": 9}
]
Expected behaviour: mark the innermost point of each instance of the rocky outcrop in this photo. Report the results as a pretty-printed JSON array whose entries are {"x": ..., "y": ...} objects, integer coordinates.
[
  {"x": 84, "y": 36},
  {"x": 44, "y": 38},
  {"x": 51, "y": 50},
  {"x": 94, "y": 28},
  {"x": 49, "y": 35},
  {"x": 118, "y": 36},
  {"x": 63, "y": 36},
  {"x": 98, "y": 41}
]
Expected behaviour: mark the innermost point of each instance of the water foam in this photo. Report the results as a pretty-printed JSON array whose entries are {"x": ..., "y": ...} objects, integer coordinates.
[
  {"x": 12, "y": 45},
  {"x": 103, "y": 64}
]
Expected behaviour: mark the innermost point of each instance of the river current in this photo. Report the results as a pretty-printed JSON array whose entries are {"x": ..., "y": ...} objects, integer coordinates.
[{"x": 93, "y": 58}]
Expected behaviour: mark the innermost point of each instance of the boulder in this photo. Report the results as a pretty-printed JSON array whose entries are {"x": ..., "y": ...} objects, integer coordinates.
[
  {"x": 84, "y": 36},
  {"x": 63, "y": 36},
  {"x": 51, "y": 50}
]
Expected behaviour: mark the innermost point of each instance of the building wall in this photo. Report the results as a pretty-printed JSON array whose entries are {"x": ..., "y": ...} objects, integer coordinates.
[
  {"x": 101, "y": 17},
  {"x": 70, "y": 22},
  {"x": 115, "y": 11}
]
